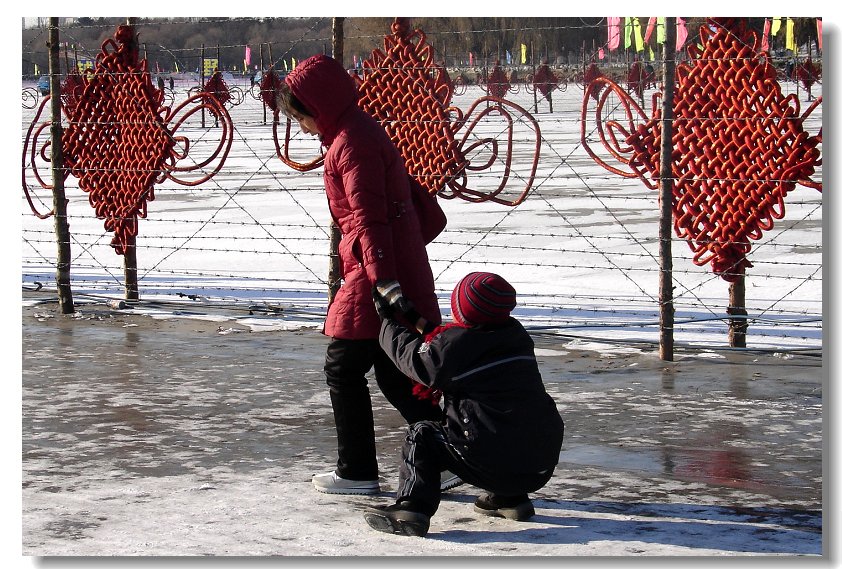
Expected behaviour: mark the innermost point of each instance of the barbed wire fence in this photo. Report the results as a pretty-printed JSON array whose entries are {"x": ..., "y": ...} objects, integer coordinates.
[{"x": 581, "y": 249}]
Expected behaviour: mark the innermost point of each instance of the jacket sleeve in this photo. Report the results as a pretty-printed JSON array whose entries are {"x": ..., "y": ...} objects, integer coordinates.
[
  {"x": 420, "y": 361},
  {"x": 364, "y": 178}
]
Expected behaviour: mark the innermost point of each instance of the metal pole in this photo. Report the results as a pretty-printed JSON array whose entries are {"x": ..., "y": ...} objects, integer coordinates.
[
  {"x": 667, "y": 316},
  {"x": 334, "y": 277},
  {"x": 62, "y": 228}
]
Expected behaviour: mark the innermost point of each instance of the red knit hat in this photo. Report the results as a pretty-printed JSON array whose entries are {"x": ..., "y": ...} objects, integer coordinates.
[{"x": 481, "y": 298}]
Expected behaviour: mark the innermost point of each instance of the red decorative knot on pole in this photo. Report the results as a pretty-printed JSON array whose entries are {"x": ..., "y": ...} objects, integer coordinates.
[
  {"x": 217, "y": 88},
  {"x": 592, "y": 73},
  {"x": 410, "y": 95},
  {"x": 739, "y": 145},
  {"x": 545, "y": 81},
  {"x": 498, "y": 84},
  {"x": 121, "y": 140}
]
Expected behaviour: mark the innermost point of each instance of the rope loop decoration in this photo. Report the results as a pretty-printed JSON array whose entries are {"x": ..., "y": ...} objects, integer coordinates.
[
  {"x": 739, "y": 145},
  {"x": 119, "y": 142}
]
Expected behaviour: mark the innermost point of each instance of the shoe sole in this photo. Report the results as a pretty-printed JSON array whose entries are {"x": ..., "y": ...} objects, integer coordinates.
[
  {"x": 451, "y": 483},
  {"x": 355, "y": 491},
  {"x": 384, "y": 523},
  {"x": 518, "y": 514}
]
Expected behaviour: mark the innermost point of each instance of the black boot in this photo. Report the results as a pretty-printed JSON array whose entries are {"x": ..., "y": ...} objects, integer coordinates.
[
  {"x": 516, "y": 508},
  {"x": 399, "y": 518}
]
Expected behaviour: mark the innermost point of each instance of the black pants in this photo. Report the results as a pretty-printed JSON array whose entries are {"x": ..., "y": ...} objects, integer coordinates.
[
  {"x": 426, "y": 452},
  {"x": 346, "y": 364}
]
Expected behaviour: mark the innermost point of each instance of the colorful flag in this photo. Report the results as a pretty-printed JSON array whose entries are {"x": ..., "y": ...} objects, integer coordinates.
[
  {"x": 776, "y": 25},
  {"x": 247, "y": 58},
  {"x": 680, "y": 33},
  {"x": 508, "y": 57},
  {"x": 522, "y": 53},
  {"x": 764, "y": 43},
  {"x": 638, "y": 35},
  {"x": 661, "y": 30},
  {"x": 790, "y": 35},
  {"x": 650, "y": 27},
  {"x": 471, "y": 58},
  {"x": 613, "y": 33},
  {"x": 601, "y": 53}
]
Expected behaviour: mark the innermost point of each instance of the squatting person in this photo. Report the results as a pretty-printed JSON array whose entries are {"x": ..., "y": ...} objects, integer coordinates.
[{"x": 502, "y": 432}]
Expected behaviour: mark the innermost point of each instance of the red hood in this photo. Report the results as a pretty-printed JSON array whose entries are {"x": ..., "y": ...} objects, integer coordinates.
[{"x": 325, "y": 88}]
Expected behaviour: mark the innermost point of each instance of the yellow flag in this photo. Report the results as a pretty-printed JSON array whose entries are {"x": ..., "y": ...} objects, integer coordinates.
[
  {"x": 638, "y": 35},
  {"x": 790, "y": 35},
  {"x": 776, "y": 25},
  {"x": 522, "y": 53}
]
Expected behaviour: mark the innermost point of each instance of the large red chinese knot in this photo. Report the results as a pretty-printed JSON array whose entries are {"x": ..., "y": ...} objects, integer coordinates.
[
  {"x": 739, "y": 145},
  {"x": 410, "y": 95},
  {"x": 121, "y": 140},
  {"x": 116, "y": 143}
]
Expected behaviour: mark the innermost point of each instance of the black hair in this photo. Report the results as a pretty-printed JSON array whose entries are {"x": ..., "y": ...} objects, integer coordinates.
[{"x": 289, "y": 104}]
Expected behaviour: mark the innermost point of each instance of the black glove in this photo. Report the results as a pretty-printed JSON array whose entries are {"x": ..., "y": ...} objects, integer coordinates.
[{"x": 389, "y": 300}]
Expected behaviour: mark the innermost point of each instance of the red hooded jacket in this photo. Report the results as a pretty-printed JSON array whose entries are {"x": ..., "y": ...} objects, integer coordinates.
[{"x": 368, "y": 194}]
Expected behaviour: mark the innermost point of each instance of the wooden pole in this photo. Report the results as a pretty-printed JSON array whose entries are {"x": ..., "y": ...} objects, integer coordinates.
[
  {"x": 334, "y": 277},
  {"x": 62, "y": 227},
  {"x": 738, "y": 324},
  {"x": 130, "y": 256},
  {"x": 667, "y": 315},
  {"x": 202, "y": 78}
]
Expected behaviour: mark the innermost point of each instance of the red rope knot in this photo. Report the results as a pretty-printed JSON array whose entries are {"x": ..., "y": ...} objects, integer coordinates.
[{"x": 739, "y": 146}]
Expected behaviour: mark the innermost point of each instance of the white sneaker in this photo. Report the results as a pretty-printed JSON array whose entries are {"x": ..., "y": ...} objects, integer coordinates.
[
  {"x": 450, "y": 480},
  {"x": 330, "y": 483}
]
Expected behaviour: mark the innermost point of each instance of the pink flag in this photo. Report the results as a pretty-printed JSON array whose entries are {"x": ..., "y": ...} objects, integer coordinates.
[
  {"x": 247, "y": 58},
  {"x": 680, "y": 33},
  {"x": 471, "y": 58},
  {"x": 601, "y": 53},
  {"x": 650, "y": 27},
  {"x": 764, "y": 43},
  {"x": 613, "y": 33}
]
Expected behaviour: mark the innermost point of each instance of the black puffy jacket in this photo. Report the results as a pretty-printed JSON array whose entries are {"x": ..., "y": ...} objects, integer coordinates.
[{"x": 498, "y": 413}]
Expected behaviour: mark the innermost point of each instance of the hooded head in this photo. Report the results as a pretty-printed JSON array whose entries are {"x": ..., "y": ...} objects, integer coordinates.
[
  {"x": 322, "y": 85},
  {"x": 482, "y": 298}
]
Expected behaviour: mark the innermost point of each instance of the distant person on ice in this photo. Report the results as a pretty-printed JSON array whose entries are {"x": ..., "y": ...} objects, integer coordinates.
[
  {"x": 368, "y": 195},
  {"x": 502, "y": 432}
]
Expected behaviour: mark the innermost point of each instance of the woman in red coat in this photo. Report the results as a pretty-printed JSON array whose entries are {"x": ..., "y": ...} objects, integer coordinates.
[{"x": 368, "y": 194}]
